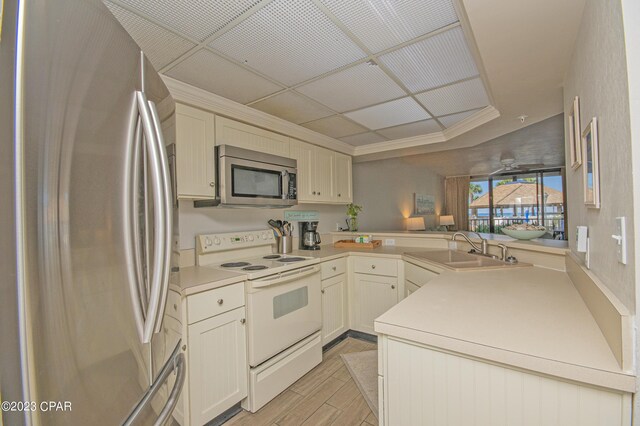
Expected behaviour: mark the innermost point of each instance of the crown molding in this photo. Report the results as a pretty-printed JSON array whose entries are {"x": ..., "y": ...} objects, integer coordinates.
[
  {"x": 479, "y": 118},
  {"x": 186, "y": 93}
]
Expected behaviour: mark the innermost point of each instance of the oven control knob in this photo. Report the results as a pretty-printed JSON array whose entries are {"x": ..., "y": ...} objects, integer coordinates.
[
  {"x": 250, "y": 237},
  {"x": 216, "y": 241},
  {"x": 207, "y": 241}
]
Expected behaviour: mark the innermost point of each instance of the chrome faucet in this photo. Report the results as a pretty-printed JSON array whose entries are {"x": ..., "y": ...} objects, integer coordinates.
[{"x": 484, "y": 249}]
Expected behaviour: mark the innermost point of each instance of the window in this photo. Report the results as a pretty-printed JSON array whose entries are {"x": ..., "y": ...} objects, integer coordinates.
[{"x": 533, "y": 197}]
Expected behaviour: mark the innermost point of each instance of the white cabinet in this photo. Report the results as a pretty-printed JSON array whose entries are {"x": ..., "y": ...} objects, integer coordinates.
[
  {"x": 334, "y": 307},
  {"x": 374, "y": 295},
  {"x": 321, "y": 174},
  {"x": 217, "y": 365},
  {"x": 195, "y": 153},
  {"x": 417, "y": 276},
  {"x": 231, "y": 132},
  {"x": 343, "y": 178}
]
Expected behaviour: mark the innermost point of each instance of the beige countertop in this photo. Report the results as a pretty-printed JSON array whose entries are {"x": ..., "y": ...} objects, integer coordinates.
[
  {"x": 531, "y": 318},
  {"x": 538, "y": 244}
]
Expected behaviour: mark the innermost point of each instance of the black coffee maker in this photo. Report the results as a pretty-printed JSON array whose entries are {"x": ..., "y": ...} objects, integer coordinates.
[{"x": 309, "y": 236}]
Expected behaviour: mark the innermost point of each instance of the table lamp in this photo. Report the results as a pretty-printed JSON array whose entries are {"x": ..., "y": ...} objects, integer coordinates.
[
  {"x": 446, "y": 220},
  {"x": 415, "y": 224}
]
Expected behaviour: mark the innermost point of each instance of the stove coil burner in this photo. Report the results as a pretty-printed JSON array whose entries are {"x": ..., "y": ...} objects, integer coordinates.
[
  {"x": 254, "y": 268},
  {"x": 234, "y": 264},
  {"x": 291, "y": 259},
  {"x": 272, "y": 256}
]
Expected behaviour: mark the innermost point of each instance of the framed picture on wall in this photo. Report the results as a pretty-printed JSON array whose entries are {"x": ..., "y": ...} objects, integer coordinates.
[
  {"x": 424, "y": 204},
  {"x": 591, "y": 165},
  {"x": 575, "y": 144}
]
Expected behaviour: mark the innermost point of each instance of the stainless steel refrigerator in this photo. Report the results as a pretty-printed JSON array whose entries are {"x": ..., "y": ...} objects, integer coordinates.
[{"x": 87, "y": 221}]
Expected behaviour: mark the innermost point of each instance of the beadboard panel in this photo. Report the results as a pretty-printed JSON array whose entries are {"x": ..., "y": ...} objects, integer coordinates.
[{"x": 429, "y": 387}]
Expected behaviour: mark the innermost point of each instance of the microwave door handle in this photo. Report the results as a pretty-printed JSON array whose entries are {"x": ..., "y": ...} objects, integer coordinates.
[{"x": 285, "y": 184}]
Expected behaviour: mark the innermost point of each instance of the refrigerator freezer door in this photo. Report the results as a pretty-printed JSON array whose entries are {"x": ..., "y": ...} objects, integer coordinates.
[{"x": 80, "y": 72}]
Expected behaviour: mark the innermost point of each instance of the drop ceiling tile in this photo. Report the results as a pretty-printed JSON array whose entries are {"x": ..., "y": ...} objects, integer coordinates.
[
  {"x": 412, "y": 129},
  {"x": 353, "y": 88},
  {"x": 335, "y": 126},
  {"x": 363, "y": 139},
  {"x": 388, "y": 114},
  {"x": 213, "y": 73},
  {"x": 290, "y": 41},
  {"x": 381, "y": 24},
  {"x": 197, "y": 19},
  {"x": 160, "y": 45},
  {"x": 435, "y": 61},
  {"x": 452, "y": 119},
  {"x": 292, "y": 107},
  {"x": 458, "y": 97}
]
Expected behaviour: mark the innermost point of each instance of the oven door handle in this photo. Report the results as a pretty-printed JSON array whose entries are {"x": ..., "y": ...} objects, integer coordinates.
[{"x": 285, "y": 277}]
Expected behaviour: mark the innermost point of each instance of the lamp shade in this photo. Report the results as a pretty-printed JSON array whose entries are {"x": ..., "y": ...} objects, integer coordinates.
[
  {"x": 446, "y": 220},
  {"x": 416, "y": 224}
]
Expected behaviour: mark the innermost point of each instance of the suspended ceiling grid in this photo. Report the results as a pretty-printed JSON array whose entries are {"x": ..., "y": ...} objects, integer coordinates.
[{"x": 362, "y": 71}]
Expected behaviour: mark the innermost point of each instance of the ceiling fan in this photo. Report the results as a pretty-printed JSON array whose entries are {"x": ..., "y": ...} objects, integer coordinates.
[{"x": 511, "y": 165}]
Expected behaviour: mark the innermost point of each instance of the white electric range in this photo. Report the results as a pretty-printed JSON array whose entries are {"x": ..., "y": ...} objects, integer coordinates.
[{"x": 283, "y": 303}]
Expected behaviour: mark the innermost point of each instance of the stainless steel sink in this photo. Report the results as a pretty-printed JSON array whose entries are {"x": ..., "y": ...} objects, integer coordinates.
[{"x": 458, "y": 260}]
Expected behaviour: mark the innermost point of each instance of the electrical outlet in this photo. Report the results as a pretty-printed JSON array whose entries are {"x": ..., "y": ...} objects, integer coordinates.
[
  {"x": 338, "y": 227},
  {"x": 389, "y": 242}
]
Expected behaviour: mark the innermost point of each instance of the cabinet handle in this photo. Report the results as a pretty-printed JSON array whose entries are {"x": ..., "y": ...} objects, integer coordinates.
[
  {"x": 212, "y": 184},
  {"x": 373, "y": 266},
  {"x": 393, "y": 287},
  {"x": 220, "y": 301},
  {"x": 334, "y": 268},
  {"x": 243, "y": 320}
]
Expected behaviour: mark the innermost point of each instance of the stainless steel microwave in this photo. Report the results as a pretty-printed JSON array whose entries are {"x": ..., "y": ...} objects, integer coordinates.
[{"x": 249, "y": 178}]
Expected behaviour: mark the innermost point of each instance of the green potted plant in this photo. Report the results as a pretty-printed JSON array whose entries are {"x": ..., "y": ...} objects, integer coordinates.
[{"x": 352, "y": 213}]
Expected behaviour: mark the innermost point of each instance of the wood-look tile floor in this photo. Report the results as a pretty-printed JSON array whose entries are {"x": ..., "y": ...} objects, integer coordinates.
[{"x": 327, "y": 395}]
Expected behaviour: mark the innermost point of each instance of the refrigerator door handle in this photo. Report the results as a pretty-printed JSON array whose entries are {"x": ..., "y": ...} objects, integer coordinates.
[
  {"x": 175, "y": 363},
  {"x": 157, "y": 258},
  {"x": 167, "y": 201},
  {"x": 137, "y": 284}
]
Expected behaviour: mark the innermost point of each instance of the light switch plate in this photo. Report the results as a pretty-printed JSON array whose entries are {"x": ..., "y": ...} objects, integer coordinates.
[
  {"x": 581, "y": 237},
  {"x": 620, "y": 239},
  {"x": 390, "y": 242}
]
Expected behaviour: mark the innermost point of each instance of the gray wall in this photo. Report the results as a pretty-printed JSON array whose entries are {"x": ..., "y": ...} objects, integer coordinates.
[
  {"x": 207, "y": 220},
  {"x": 598, "y": 74},
  {"x": 385, "y": 190}
]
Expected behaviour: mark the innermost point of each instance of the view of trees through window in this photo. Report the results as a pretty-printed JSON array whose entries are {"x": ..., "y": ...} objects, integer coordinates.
[{"x": 532, "y": 197}]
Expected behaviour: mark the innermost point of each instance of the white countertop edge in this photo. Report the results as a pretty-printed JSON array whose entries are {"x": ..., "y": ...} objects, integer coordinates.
[{"x": 619, "y": 381}]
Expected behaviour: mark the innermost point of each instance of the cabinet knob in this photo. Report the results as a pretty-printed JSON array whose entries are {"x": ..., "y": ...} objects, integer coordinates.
[
  {"x": 373, "y": 266},
  {"x": 220, "y": 301},
  {"x": 322, "y": 291},
  {"x": 393, "y": 287},
  {"x": 334, "y": 268},
  {"x": 175, "y": 307},
  {"x": 318, "y": 192},
  {"x": 314, "y": 192},
  {"x": 212, "y": 184},
  {"x": 243, "y": 320},
  {"x": 339, "y": 195},
  {"x": 184, "y": 347}
]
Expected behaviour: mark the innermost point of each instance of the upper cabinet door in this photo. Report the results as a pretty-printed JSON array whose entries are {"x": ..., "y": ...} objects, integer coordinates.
[
  {"x": 230, "y": 132},
  {"x": 324, "y": 175},
  {"x": 303, "y": 153},
  {"x": 343, "y": 182},
  {"x": 195, "y": 153}
]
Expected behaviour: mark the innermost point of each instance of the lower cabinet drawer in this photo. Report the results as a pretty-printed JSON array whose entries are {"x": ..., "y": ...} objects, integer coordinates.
[
  {"x": 214, "y": 302},
  {"x": 333, "y": 267},
  {"x": 376, "y": 266}
]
